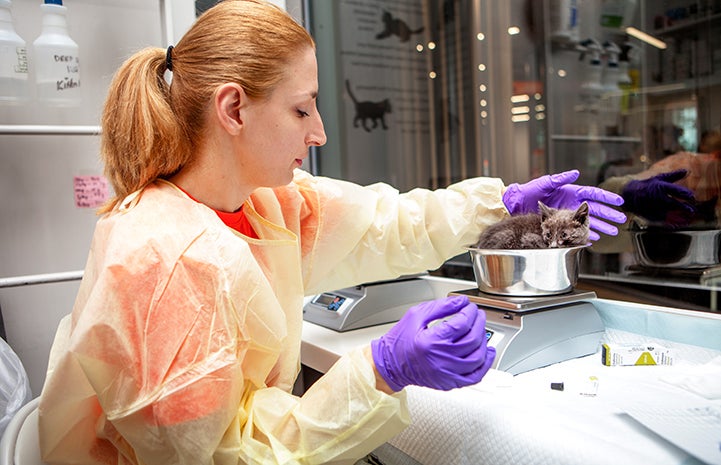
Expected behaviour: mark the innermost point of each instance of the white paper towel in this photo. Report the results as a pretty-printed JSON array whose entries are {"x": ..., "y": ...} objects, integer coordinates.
[{"x": 704, "y": 380}]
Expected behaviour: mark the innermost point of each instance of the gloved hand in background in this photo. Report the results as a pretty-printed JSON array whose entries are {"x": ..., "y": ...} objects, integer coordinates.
[
  {"x": 451, "y": 353},
  {"x": 557, "y": 191},
  {"x": 658, "y": 199}
]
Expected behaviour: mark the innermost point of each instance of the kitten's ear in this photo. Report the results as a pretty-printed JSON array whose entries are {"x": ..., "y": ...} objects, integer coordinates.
[
  {"x": 544, "y": 210},
  {"x": 581, "y": 214}
]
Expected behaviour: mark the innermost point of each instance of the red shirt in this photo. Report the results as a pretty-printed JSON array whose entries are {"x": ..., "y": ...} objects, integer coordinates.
[
  {"x": 238, "y": 221},
  {"x": 235, "y": 220}
]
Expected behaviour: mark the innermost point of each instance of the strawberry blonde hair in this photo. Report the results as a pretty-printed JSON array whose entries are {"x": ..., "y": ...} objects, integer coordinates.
[{"x": 150, "y": 129}]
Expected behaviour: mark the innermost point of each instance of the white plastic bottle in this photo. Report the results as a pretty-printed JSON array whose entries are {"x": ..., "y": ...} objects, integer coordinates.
[
  {"x": 564, "y": 20},
  {"x": 13, "y": 59},
  {"x": 616, "y": 14},
  {"x": 57, "y": 63},
  {"x": 590, "y": 89},
  {"x": 610, "y": 107},
  {"x": 628, "y": 76}
]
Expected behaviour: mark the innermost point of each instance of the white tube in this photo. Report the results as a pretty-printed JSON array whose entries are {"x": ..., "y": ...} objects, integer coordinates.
[
  {"x": 17, "y": 281},
  {"x": 30, "y": 129}
]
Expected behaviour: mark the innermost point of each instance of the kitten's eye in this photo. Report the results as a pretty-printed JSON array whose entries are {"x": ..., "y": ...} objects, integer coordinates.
[
  {"x": 302, "y": 113},
  {"x": 564, "y": 235}
]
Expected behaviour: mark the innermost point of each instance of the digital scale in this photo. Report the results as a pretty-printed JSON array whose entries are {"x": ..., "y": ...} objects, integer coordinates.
[
  {"x": 527, "y": 332},
  {"x": 533, "y": 332},
  {"x": 368, "y": 304}
]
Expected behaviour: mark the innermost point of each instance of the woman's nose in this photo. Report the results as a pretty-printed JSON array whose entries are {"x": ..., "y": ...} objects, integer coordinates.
[{"x": 317, "y": 136}]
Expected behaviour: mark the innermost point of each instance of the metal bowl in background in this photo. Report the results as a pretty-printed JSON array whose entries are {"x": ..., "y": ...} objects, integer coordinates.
[
  {"x": 677, "y": 248},
  {"x": 526, "y": 272}
]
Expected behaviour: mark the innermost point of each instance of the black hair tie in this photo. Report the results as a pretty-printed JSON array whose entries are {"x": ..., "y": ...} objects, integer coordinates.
[{"x": 169, "y": 58}]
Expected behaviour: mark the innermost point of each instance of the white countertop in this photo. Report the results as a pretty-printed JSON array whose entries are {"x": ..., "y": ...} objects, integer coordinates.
[{"x": 321, "y": 347}]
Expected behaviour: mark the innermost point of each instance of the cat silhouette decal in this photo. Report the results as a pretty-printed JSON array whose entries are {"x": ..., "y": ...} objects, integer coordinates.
[
  {"x": 369, "y": 111},
  {"x": 396, "y": 27}
]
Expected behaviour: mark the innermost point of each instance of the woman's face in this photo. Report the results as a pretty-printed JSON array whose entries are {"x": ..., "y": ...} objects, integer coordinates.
[{"x": 280, "y": 129}]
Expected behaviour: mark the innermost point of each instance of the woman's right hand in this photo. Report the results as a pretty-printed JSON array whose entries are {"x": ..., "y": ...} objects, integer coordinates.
[{"x": 440, "y": 344}]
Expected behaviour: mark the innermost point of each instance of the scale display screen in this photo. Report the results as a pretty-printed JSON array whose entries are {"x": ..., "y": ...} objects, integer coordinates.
[{"x": 329, "y": 301}]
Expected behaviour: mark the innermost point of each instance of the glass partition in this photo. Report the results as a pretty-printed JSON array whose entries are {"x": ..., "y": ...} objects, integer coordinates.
[
  {"x": 428, "y": 92},
  {"x": 412, "y": 92}
]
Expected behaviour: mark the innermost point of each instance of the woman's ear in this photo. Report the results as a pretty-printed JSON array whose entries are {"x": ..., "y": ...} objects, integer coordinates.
[{"x": 230, "y": 99}]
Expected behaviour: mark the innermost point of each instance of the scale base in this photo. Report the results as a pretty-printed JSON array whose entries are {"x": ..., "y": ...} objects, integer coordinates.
[{"x": 533, "y": 332}]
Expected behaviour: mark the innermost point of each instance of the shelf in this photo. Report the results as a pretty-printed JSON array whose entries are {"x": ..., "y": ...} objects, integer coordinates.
[
  {"x": 690, "y": 84},
  {"x": 582, "y": 138},
  {"x": 688, "y": 25},
  {"x": 49, "y": 130}
]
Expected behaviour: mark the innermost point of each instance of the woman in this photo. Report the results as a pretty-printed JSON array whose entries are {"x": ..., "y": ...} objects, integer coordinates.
[{"x": 184, "y": 341}]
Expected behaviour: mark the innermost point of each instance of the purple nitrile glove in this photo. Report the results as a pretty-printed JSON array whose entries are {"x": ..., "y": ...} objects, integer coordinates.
[
  {"x": 451, "y": 353},
  {"x": 659, "y": 199},
  {"x": 557, "y": 191}
]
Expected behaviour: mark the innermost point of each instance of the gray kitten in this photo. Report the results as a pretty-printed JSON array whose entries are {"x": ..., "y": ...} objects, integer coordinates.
[{"x": 550, "y": 228}]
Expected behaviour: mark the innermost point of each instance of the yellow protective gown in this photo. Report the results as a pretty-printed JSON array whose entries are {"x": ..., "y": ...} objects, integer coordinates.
[{"x": 184, "y": 341}]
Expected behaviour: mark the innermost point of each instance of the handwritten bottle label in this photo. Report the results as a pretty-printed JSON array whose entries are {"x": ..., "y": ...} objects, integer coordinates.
[{"x": 58, "y": 74}]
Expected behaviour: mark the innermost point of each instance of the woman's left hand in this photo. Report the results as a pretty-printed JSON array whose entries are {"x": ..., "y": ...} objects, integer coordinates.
[{"x": 557, "y": 191}]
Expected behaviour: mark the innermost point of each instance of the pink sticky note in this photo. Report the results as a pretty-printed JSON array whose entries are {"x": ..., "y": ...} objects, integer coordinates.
[{"x": 90, "y": 191}]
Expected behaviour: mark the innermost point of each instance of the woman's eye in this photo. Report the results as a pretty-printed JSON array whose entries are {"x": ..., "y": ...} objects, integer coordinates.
[{"x": 302, "y": 113}]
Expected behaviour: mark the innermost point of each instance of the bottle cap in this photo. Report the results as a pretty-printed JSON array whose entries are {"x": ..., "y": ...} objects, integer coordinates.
[{"x": 54, "y": 2}]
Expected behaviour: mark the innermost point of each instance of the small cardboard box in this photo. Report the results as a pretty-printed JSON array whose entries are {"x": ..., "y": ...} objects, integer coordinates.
[{"x": 635, "y": 354}]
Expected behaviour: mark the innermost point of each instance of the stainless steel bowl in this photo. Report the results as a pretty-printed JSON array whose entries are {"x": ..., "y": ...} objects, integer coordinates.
[
  {"x": 677, "y": 248},
  {"x": 526, "y": 272}
]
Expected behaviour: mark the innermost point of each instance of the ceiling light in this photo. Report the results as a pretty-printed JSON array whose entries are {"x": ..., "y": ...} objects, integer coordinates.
[{"x": 640, "y": 35}]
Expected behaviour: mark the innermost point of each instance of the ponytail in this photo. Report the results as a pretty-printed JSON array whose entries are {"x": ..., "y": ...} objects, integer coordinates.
[{"x": 142, "y": 139}]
